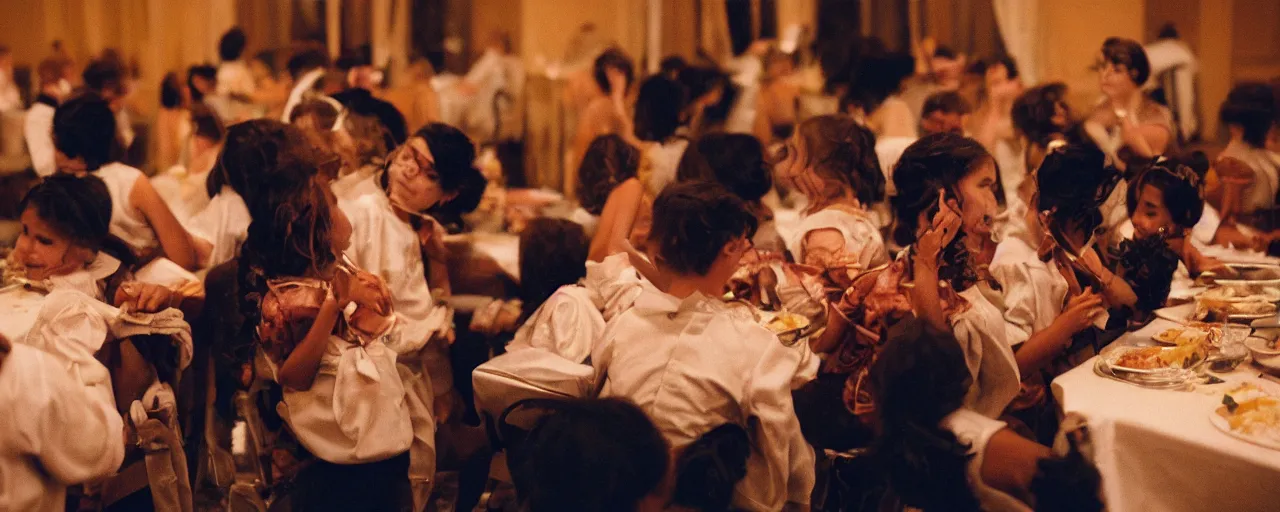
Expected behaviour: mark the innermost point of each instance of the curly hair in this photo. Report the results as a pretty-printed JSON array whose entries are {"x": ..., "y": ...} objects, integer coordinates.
[
  {"x": 609, "y": 161},
  {"x": 1148, "y": 264},
  {"x": 842, "y": 151},
  {"x": 253, "y": 153},
  {"x": 1073, "y": 183},
  {"x": 1034, "y": 110},
  {"x": 1179, "y": 185},
  {"x": 918, "y": 379},
  {"x": 937, "y": 161},
  {"x": 616, "y": 59},
  {"x": 1131, "y": 55}
]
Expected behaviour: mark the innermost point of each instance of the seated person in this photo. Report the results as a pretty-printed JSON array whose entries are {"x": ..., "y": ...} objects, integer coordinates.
[
  {"x": 736, "y": 161},
  {"x": 944, "y": 112},
  {"x": 718, "y": 365}
]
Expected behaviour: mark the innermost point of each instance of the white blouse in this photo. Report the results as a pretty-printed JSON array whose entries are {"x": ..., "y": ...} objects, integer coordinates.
[
  {"x": 976, "y": 430},
  {"x": 697, "y": 363},
  {"x": 983, "y": 334},
  {"x": 127, "y": 221},
  {"x": 659, "y": 164},
  {"x": 1266, "y": 172},
  {"x": 54, "y": 434},
  {"x": 567, "y": 324},
  {"x": 355, "y": 411},
  {"x": 1033, "y": 290},
  {"x": 861, "y": 236},
  {"x": 388, "y": 247},
  {"x": 72, "y": 327},
  {"x": 224, "y": 223}
]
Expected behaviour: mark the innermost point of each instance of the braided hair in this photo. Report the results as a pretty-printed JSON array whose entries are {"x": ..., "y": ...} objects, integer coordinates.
[
  {"x": 937, "y": 161},
  {"x": 842, "y": 151}
]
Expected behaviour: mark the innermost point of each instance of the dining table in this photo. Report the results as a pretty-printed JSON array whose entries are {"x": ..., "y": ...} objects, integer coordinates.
[{"x": 1158, "y": 450}]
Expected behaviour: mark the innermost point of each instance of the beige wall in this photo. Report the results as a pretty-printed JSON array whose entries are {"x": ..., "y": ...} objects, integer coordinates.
[
  {"x": 1073, "y": 33},
  {"x": 549, "y": 24}
]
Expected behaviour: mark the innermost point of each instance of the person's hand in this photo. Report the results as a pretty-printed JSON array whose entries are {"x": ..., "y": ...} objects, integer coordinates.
[
  {"x": 364, "y": 289},
  {"x": 431, "y": 237},
  {"x": 1082, "y": 310},
  {"x": 369, "y": 321},
  {"x": 144, "y": 297},
  {"x": 943, "y": 229}
]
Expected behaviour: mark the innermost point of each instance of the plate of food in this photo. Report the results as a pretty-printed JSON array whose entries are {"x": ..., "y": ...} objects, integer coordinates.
[
  {"x": 1241, "y": 293},
  {"x": 1245, "y": 273},
  {"x": 1250, "y": 414},
  {"x": 1148, "y": 360},
  {"x": 1246, "y": 308},
  {"x": 1195, "y": 332},
  {"x": 790, "y": 327}
]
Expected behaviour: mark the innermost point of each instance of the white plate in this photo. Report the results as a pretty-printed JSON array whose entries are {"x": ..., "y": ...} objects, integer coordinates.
[
  {"x": 1182, "y": 314},
  {"x": 1114, "y": 355},
  {"x": 1221, "y": 423}
]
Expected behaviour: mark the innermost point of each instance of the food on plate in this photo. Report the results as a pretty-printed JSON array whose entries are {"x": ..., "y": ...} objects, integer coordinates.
[
  {"x": 1251, "y": 411},
  {"x": 1242, "y": 293},
  {"x": 1210, "y": 308},
  {"x": 1155, "y": 358},
  {"x": 1246, "y": 272},
  {"x": 786, "y": 322},
  {"x": 1199, "y": 332}
]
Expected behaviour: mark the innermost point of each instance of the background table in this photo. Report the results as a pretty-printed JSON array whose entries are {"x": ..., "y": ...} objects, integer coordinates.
[{"x": 1157, "y": 450}]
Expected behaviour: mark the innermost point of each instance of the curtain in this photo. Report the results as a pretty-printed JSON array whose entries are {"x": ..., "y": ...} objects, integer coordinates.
[{"x": 1019, "y": 21}]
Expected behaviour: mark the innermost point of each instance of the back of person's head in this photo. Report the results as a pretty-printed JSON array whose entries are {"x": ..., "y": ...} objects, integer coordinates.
[
  {"x": 937, "y": 161},
  {"x": 206, "y": 124},
  {"x": 734, "y": 160},
  {"x": 1010, "y": 66},
  {"x": 79, "y": 209},
  {"x": 104, "y": 77},
  {"x": 1254, "y": 108},
  {"x": 171, "y": 91},
  {"x": 1130, "y": 54},
  {"x": 659, "y": 108},
  {"x": 84, "y": 127},
  {"x": 672, "y": 65},
  {"x": 709, "y": 468},
  {"x": 49, "y": 71},
  {"x": 195, "y": 74},
  {"x": 1072, "y": 184},
  {"x": 231, "y": 45},
  {"x": 252, "y": 154},
  {"x": 608, "y": 162},
  {"x": 1179, "y": 186},
  {"x": 841, "y": 151},
  {"x": 917, "y": 380},
  {"x": 692, "y": 224},
  {"x": 1040, "y": 112},
  {"x": 700, "y": 81},
  {"x": 1168, "y": 31},
  {"x": 292, "y": 227},
  {"x": 877, "y": 77},
  {"x": 613, "y": 58},
  {"x": 1067, "y": 484},
  {"x": 553, "y": 253},
  {"x": 305, "y": 61},
  {"x": 591, "y": 455},
  {"x": 948, "y": 102}
]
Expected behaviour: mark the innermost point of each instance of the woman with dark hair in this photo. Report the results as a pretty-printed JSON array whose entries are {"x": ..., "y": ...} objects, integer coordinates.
[
  {"x": 1252, "y": 115},
  {"x": 1166, "y": 200},
  {"x": 874, "y": 97},
  {"x": 84, "y": 135},
  {"x": 251, "y": 154},
  {"x": 592, "y": 456},
  {"x": 660, "y": 115},
  {"x": 343, "y": 396},
  {"x": 941, "y": 455},
  {"x": 709, "y": 98},
  {"x": 1128, "y": 126},
  {"x": 1040, "y": 116},
  {"x": 606, "y": 113}
]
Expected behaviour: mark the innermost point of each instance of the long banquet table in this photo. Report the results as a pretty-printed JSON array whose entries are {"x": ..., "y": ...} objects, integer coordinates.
[{"x": 1158, "y": 451}]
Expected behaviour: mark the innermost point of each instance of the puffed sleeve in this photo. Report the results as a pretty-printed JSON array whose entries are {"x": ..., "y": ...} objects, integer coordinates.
[
  {"x": 969, "y": 336},
  {"x": 79, "y": 437},
  {"x": 372, "y": 250},
  {"x": 1020, "y": 300},
  {"x": 71, "y": 329},
  {"x": 565, "y": 325},
  {"x": 781, "y": 468}
]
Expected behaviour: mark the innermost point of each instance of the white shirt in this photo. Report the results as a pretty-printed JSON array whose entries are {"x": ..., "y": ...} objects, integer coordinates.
[
  {"x": 695, "y": 364},
  {"x": 976, "y": 430},
  {"x": 38, "y": 130},
  {"x": 1033, "y": 290},
  {"x": 127, "y": 221},
  {"x": 659, "y": 163},
  {"x": 183, "y": 191},
  {"x": 224, "y": 223},
  {"x": 567, "y": 324},
  {"x": 388, "y": 247},
  {"x": 983, "y": 334},
  {"x": 53, "y": 435},
  {"x": 1266, "y": 171},
  {"x": 861, "y": 236},
  {"x": 234, "y": 77},
  {"x": 1175, "y": 55},
  {"x": 888, "y": 151}
]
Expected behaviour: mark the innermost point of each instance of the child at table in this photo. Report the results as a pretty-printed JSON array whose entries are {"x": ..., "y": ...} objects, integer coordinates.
[
  {"x": 940, "y": 455},
  {"x": 693, "y": 362},
  {"x": 609, "y": 165},
  {"x": 737, "y": 161},
  {"x": 343, "y": 398},
  {"x": 85, "y": 137},
  {"x": 1166, "y": 200}
]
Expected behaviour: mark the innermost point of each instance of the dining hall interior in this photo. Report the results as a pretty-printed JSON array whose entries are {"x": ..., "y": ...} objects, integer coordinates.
[{"x": 604, "y": 255}]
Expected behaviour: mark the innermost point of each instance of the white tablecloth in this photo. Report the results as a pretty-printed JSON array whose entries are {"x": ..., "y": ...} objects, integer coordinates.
[{"x": 1157, "y": 450}]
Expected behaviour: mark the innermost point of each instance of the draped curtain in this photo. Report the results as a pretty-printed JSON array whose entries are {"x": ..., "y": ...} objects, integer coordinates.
[{"x": 1019, "y": 25}]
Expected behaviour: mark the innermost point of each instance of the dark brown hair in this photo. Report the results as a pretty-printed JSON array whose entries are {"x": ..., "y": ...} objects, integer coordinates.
[
  {"x": 1128, "y": 53},
  {"x": 692, "y": 222},
  {"x": 842, "y": 151},
  {"x": 609, "y": 161},
  {"x": 553, "y": 253}
]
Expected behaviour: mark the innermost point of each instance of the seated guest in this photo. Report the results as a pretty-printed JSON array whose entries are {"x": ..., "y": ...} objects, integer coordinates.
[
  {"x": 38, "y": 128},
  {"x": 737, "y": 162},
  {"x": 55, "y": 435},
  {"x": 609, "y": 164},
  {"x": 592, "y": 456},
  {"x": 717, "y": 365},
  {"x": 944, "y": 112},
  {"x": 1128, "y": 126},
  {"x": 185, "y": 187},
  {"x": 106, "y": 78},
  {"x": 940, "y": 455},
  {"x": 606, "y": 113},
  {"x": 1166, "y": 200},
  {"x": 84, "y": 135},
  {"x": 359, "y": 99},
  {"x": 1252, "y": 115}
]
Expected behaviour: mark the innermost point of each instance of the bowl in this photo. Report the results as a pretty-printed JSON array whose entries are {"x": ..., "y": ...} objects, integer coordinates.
[{"x": 1227, "y": 358}]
